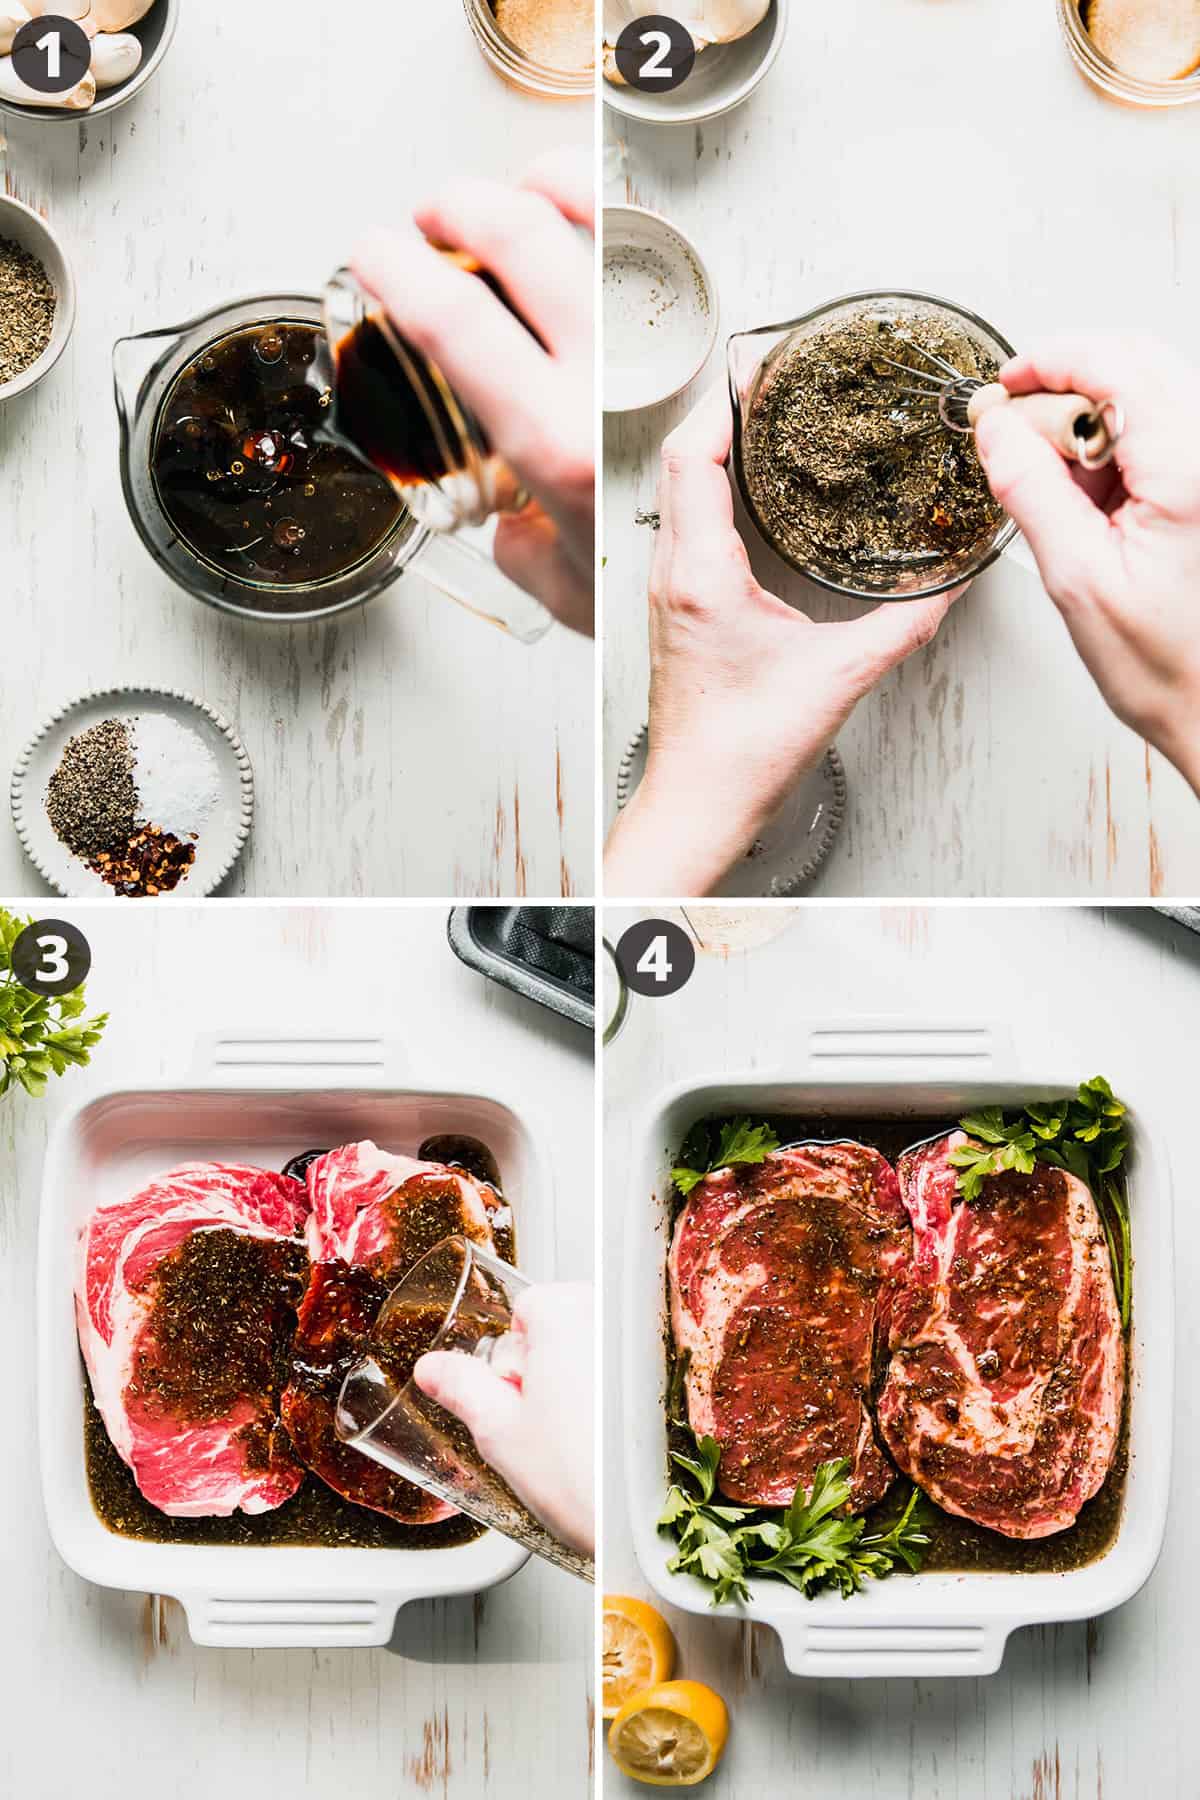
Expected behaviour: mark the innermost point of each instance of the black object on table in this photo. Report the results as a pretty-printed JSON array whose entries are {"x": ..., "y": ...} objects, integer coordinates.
[{"x": 546, "y": 953}]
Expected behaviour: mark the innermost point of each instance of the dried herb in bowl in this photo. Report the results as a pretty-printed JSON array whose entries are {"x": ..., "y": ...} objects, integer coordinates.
[{"x": 27, "y": 307}]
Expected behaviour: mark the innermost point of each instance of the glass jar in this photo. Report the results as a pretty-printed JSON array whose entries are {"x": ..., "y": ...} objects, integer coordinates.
[
  {"x": 1134, "y": 89},
  {"x": 518, "y": 66}
]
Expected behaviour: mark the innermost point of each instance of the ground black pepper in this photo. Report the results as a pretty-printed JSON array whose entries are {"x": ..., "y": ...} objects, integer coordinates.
[
  {"x": 855, "y": 480},
  {"x": 91, "y": 800}
]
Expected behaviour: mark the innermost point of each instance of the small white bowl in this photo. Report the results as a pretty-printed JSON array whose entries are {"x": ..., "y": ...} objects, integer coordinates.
[
  {"x": 724, "y": 76},
  {"x": 660, "y": 309},
  {"x": 22, "y": 226},
  {"x": 155, "y": 32}
]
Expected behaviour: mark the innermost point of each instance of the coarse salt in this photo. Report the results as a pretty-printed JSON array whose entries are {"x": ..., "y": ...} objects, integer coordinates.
[{"x": 176, "y": 775}]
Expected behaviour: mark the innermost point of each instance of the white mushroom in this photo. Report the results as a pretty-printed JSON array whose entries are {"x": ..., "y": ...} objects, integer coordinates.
[
  {"x": 11, "y": 20},
  {"x": 63, "y": 9},
  {"x": 115, "y": 57},
  {"x": 119, "y": 15},
  {"x": 76, "y": 99}
]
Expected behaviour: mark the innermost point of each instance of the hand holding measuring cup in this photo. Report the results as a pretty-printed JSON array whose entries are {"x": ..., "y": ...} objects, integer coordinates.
[
  {"x": 522, "y": 364},
  {"x": 477, "y": 1386},
  {"x": 1117, "y": 548},
  {"x": 529, "y": 1409}
]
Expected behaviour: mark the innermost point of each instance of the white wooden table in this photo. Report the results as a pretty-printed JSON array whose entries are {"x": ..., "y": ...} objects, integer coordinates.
[
  {"x": 104, "y": 1692},
  {"x": 1078, "y": 1712},
  {"x": 951, "y": 148},
  {"x": 401, "y": 749}
]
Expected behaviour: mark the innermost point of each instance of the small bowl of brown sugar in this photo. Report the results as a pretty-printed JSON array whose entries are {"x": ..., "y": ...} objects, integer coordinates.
[
  {"x": 545, "y": 47},
  {"x": 37, "y": 298}
]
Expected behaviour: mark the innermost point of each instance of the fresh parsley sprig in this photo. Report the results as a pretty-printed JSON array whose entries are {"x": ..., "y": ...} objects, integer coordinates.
[
  {"x": 1085, "y": 1135},
  {"x": 739, "y": 1142},
  {"x": 37, "y": 1036},
  {"x": 812, "y": 1544}
]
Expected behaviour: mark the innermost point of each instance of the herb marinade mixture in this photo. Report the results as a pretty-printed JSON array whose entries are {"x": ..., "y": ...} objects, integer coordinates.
[{"x": 855, "y": 478}]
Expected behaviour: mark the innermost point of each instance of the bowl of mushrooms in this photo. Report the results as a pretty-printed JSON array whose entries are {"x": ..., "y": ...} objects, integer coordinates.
[
  {"x": 736, "y": 43},
  {"x": 129, "y": 38}
]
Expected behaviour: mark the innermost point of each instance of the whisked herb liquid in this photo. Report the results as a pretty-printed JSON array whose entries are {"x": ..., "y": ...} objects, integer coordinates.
[{"x": 854, "y": 480}]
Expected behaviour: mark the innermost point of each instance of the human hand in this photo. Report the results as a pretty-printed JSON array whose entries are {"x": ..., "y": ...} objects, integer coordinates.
[
  {"x": 746, "y": 693},
  {"x": 533, "y": 1424},
  {"x": 1118, "y": 548},
  {"x": 533, "y": 398}
]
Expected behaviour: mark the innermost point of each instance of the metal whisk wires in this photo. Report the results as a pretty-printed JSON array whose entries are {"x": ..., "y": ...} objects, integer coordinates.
[{"x": 949, "y": 388}]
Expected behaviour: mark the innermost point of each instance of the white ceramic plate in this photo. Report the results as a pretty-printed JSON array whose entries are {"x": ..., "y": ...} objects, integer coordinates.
[
  {"x": 792, "y": 847},
  {"x": 224, "y": 832},
  {"x": 724, "y": 75},
  {"x": 660, "y": 309}
]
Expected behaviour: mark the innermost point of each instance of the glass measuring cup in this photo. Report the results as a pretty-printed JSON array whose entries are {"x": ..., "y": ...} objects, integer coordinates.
[
  {"x": 146, "y": 367},
  {"x": 754, "y": 358},
  {"x": 398, "y": 411},
  {"x": 457, "y": 1297}
]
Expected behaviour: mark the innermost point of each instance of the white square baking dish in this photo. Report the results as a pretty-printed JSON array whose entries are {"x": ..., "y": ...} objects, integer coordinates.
[
  {"x": 940, "y": 1623},
  {"x": 260, "y": 1099}
]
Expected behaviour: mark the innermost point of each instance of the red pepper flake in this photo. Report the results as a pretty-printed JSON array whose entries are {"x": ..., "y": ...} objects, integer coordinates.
[{"x": 152, "y": 862}]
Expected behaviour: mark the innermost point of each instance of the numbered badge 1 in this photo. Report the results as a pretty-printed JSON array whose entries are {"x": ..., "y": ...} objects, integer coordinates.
[
  {"x": 655, "y": 957},
  {"x": 51, "y": 54},
  {"x": 51, "y": 957},
  {"x": 655, "y": 54}
]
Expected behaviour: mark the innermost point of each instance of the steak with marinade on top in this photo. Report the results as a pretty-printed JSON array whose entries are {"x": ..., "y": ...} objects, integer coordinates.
[
  {"x": 184, "y": 1300},
  {"x": 373, "y": 1216},
  {"x": 1004, "y": 1390},
  {"x": 782, "y": 1276}
]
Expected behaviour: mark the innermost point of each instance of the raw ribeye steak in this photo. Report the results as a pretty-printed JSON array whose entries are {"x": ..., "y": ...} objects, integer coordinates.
[
  {"x": 781, "y": 1277},
  {"x": 373, "y": 1215},
  {"x": 184, "y": 1299},
  {"x": 1003, "y": 1394}
]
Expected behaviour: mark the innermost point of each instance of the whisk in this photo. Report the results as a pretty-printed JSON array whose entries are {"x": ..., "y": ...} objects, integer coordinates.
[{"x": 1085, "y": 431}]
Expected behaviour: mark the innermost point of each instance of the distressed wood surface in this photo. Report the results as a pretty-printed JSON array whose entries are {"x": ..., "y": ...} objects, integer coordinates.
[
  {"x": 951, "y": 148},
  {"x": 1098, "y": 1710},
  {"x": 104, "y": 1692},
  {"x": 405, "y": 748}
]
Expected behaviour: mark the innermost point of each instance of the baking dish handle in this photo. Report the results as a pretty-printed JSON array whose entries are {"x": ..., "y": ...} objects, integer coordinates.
[
  {"x": 885, "y": 1650},
  {"x": 317, "y": 1624},
  {"x": 951, "y": 1050},
  {"x": 281, "y": 1059}
]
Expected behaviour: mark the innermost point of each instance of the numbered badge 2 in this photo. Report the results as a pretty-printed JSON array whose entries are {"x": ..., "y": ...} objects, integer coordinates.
[
  {"x": 655, "y": 54},
  {"x": 655, "y": 957}
]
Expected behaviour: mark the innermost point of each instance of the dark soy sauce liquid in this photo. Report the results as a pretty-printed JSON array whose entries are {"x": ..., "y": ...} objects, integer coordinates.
[
  {"x": 377, "y": 410},
  {"x": 955, "y": 1545},
  {"x": 247, "y": 477}
]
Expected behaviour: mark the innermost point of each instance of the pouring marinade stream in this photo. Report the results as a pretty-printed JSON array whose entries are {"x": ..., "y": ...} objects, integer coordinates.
[{"x": 1044, "y": 1471}]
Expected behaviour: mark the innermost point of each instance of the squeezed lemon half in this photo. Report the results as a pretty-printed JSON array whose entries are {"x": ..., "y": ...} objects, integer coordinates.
[
  {"x": 670, "y": 1735},
  {"x": 638, "y": 1650}
]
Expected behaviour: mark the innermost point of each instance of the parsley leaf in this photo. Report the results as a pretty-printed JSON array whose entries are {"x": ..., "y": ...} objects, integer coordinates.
[
  {"x": 814, "y": 1543},
  {"x": 38, "y": 1038},
  {"x": 1085, "y": 1135},
  {"x": 739, "y": 1142}
]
